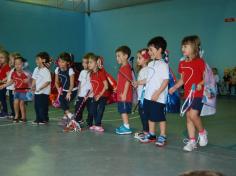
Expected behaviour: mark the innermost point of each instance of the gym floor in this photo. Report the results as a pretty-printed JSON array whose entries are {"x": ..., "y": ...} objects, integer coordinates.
[{"x": 28, "y": 150}]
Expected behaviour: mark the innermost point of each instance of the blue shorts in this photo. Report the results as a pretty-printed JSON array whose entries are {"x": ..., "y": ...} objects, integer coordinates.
[
  {"x": 20, "y": 96},
  {"x": 124, "y": 107},
  {"x": 154, "y": 111},
  {"x": 196, "y": 104}
]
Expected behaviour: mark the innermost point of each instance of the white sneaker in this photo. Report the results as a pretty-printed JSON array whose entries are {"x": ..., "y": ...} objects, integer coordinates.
[
  {"x": 203, "y": 139},
  {"x": 190, "y": 146}
]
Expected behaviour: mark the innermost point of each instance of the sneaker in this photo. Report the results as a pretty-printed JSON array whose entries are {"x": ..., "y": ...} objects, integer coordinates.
[
  {"x": 15, "y": 120},
  {"x": 123, "y": 130},
  {"x": 81, "y": 122},
  {"x": 35, "y": 122},
  {"x": 148, "y": 138},
  {"x": 99, "y": 128},
  {"x": 161, "y": 141},
  {"x": 202, "y": 138},
  {"x": 23, "y": 120},
  {"x": 190, "y": 145},
  {"x": 3, "y": 115},
  {"x": 92, "y": 127},
  {"x": 139, "y": 135},
  {"x": 42, "y": 123}
]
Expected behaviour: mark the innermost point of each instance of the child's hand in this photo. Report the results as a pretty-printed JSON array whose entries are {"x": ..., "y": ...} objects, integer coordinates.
[
  {"x": 172, "y": 90},
  {"x": 59, "y": 90},
  {"x": 2, "y": 87},
  {"x": 25, "y": 81},
  {"x": 135, "y": 84},
  {"x": 68, "y": 96},
  {"x": 97, "y": 97},
  {"x": 33, "y": 89},
  {"x": 155, "y": 96},
  {"x": 199, "y": 87}
]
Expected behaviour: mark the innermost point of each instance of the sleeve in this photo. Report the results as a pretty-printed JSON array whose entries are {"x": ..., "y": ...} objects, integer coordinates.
[
  {"x": 164, "y": 71},
  {"x": 103, "y": 76},
  {"x": 81, "y": 76},
  {"x": 57, "y": 70},
  {"x": 12, "y": 75},
  {"x": 128, "y": 72},
  {"x": 71, "y": 72},
  {"x": 202, "y": 66}
]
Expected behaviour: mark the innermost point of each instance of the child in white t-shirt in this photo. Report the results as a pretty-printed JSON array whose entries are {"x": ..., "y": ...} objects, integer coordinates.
[
  {"x": 41, "y": 87},
  {"x": 156, "y": 91},
  {"x": 84, "y": 93}
]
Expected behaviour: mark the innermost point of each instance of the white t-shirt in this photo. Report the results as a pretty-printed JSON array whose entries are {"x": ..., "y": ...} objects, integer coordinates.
[
  {"x": 41, "y": 76},
  {"x": 85, "y": 85},
  {"x": 143, "y": 74},
  {"x": 158, "y": 71},
  {"x": 11, "y": 87}
]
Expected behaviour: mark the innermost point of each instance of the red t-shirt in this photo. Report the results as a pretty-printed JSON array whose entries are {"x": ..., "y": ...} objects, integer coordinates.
[
  {"x": 18, "y": 79},
  {"x": 124, "y": 74},
  {"x": 192, "y": 72},
  {"x": 3, "y": 71},
  {"x": 96, "y": 79}
]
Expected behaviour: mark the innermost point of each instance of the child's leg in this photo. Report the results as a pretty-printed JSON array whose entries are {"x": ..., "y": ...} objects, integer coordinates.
[
  {"x": 143, "y": 117},
  {"x": 22, "y": 109},
  {"x": 3, "y": 100},
  {"x": 190, "y": 126},
  {"x": 125, "y": 118},
  {"x": 100, "y": 111},
  {"x": 163, "y": 128},
  {"x": 45, "y": 107},
  {"x": 152, "y": 127},
  {"x": 90, "y": 112},
  {"x": 37, "y": 107},
  {"x": 17, "y": 108},
  {"x": 11, "y": 101},
  {"x": 196, "y": 119}
]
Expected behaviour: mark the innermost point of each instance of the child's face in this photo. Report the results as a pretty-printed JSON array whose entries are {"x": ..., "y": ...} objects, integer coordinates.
[
  {"x": 92, "y": 65},
  {"x": 39, "y": 62},
  {"x": 85, "y": 64},
  {"x": 153, "y": 52},
  {"x": 99, "y": 62},
  {"x": 2, "y": 58},
  {"x": 140, "y": 60},
  {"x": 121, "y": 57},
  {"x": 18, "y": 65},
  {"x": 62, "y": 64},
  {"x": 187, "y": 50}
]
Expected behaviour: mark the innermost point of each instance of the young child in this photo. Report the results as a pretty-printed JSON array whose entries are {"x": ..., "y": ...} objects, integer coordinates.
[
  {"x": 21, "y": 82},
  {"x": 84, "y": 92},
  {"x": 64, "y": 79},
  {"x": 217, "y": 79},
  {"x": 124, "y": 89},
  {"x": 10, "y": 88},
  {"x": 4, "y": 70},
  {"x": 99, "y": 85},
  {"x": 192, "y": 73},
  {"x": 142, "y": 61},
  {"x": 41, "y": 88},
  {"x": 156, "y": 91}
]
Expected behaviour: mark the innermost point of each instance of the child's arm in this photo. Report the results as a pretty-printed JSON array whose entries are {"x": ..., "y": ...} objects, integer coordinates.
[
  {"x": 57, "y": 83},
  {"x": 43, "y": 86},
  {"x": 6, "y": 84},
  {"x": 160, "y": 90},
  {"x": 105, "y": 87},
  {"x": 68, "y": 95},
  {"x": 126, "y": 88},
  {"x": 179, "y": 83},
  {"x": 33, "y": 86}
]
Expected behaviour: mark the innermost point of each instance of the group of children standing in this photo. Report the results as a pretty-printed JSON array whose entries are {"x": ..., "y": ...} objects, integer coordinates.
[{"x": 92, "y": 89}]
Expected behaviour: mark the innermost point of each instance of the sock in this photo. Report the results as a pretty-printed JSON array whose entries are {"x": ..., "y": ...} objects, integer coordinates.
[
  {"x": 192, "y": 139},
  {"x": 202, "y": 132},
  {"x": 70, "y": 115},
  {"x": 126, "y": 125},
  {"x": 152, "y": 134}
]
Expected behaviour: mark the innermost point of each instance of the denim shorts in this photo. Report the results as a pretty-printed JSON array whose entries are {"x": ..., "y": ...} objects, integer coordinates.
[
  {"x": 20, "y": 96},
  {"x": 124, "y": 107}
]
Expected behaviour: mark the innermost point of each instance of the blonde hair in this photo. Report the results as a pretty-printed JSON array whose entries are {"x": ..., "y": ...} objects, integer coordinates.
[
  {"x": 139, "y": 67},
  {"x": 194, "y": 42}
]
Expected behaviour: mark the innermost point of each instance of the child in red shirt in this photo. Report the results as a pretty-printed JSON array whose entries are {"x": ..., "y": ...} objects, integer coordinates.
[
  {"x": 21, "y": 83},
  {"x": 192, "y": 73},
  {"x": 4, "y": 70},
  {"x": 124, "y": 88},
  {"x": 99, "y": 89}
]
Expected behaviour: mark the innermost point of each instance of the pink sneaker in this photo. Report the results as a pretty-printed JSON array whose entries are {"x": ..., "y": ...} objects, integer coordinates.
[
  {"x": 99, "y": 129},
  {"x": 92, "y": 127}
]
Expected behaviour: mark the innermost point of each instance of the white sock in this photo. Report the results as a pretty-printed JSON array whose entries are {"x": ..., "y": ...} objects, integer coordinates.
[
  {"x": 126, "y": 125},
  {"x": 70, "y": 115}
]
